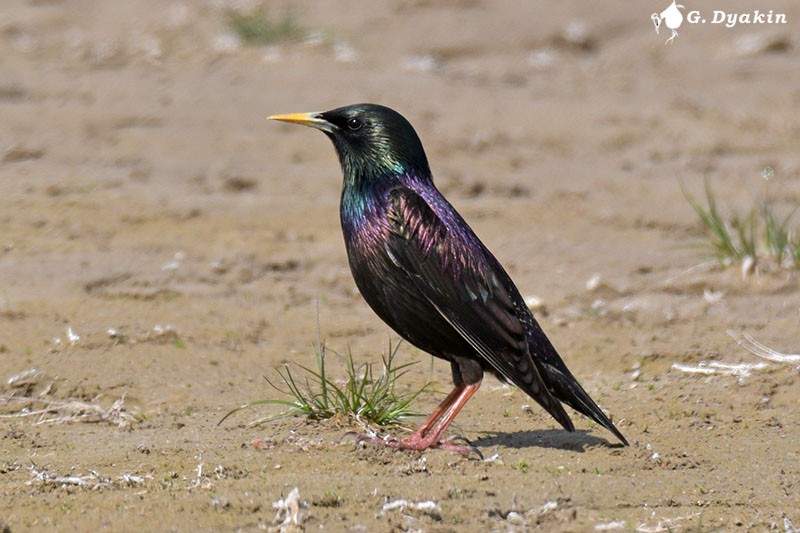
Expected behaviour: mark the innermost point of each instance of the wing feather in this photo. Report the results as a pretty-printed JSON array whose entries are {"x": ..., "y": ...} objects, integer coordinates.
[{"x": 456, "y": 274}]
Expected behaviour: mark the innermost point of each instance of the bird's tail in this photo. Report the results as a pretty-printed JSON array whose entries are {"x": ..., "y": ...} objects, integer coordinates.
[{"x": 565, "y": 387}]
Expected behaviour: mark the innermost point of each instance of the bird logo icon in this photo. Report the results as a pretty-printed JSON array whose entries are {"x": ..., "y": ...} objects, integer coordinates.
[{"x": 672, "y": 17}]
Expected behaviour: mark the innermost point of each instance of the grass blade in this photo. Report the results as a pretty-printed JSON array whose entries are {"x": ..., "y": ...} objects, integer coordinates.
[
  {"x": 740, "y": 240},
  {"x": 364, "y": 396}
]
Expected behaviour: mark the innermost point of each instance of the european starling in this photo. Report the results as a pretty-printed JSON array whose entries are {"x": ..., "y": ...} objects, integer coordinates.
[{"x": 425, "y": 273}]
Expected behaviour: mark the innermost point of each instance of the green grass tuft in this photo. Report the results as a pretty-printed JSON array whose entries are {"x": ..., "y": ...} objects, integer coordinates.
[
  {"x": 366, "y": 396},
  {"x": 779, "y": 237},
  {"x": 760, "y": 236},
  {"x": 259, "y": 28}
]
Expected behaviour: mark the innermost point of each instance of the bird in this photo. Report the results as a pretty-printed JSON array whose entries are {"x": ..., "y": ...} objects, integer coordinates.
[
  {"x": 428, "y": 276},
  {"x": 673, "y": 18}
]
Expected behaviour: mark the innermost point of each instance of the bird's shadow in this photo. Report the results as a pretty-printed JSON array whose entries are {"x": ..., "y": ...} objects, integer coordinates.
[{"x": 577, "y": 441}]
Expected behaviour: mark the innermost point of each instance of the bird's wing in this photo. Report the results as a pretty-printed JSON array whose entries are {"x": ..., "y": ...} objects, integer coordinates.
[{"x": 468, "y": 288}]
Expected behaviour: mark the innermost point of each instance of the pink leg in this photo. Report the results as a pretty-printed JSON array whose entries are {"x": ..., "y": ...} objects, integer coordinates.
[
  {"x": 440, "y": 409},
  {"x": 431, "y": 437},
  {"x": 429, "y": 434}
]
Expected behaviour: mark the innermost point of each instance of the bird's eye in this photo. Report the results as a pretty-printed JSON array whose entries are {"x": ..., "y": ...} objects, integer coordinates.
[{"x": 354, "y": 124}]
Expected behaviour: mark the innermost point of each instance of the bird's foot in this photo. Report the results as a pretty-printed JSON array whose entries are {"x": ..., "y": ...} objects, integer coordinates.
[{"x": 421, "y": 443}]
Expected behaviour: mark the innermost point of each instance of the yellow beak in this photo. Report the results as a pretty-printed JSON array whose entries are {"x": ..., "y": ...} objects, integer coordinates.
[{"x": 311, "y": 120}]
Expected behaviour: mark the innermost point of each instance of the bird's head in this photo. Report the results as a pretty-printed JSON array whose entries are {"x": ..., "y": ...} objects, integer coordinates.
[{"x": 372, "y": 141}]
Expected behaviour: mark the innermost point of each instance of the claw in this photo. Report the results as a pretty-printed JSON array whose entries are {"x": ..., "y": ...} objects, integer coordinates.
[
  {"x": 350, "y": 436},
  {"x": 468, "y": 447}
]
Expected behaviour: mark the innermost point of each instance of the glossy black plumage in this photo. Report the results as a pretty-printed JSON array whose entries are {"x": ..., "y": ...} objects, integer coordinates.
[{"x": 423, "y": 270}]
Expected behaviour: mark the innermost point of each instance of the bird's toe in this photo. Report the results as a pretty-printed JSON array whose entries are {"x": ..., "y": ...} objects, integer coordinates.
[{"x": 466, "y": 449}]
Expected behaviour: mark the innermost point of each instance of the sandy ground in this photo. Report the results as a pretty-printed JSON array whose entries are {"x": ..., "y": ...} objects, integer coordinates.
[{"x": 163, "y": 248}]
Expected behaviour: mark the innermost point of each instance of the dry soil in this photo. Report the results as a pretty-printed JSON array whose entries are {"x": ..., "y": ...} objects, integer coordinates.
[{"x": 163, "y": 248}]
